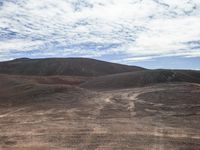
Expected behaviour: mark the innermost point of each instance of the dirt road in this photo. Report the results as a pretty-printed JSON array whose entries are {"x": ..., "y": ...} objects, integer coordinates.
[{"x": 160, "y": 117}]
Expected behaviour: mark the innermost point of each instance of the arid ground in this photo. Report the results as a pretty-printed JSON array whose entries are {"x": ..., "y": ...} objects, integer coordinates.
[{"x": 60, "y": 112}]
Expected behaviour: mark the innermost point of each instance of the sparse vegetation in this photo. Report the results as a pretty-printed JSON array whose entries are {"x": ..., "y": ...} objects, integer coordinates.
[{"x": 147, "y": 109}]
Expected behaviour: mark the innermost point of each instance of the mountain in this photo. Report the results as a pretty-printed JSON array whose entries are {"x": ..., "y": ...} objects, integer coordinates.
[
  {"x": 142, "y": 78},
  {"x": 89, "y": 104},
  {"x": 63, "y": 66}
]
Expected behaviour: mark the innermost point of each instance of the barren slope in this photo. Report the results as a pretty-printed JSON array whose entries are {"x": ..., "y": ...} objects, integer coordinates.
[
  {"x": 63, "y": 66},
  {"x": 142, "y": 78},
  {"x": 22, "y": 90},
  {"x": 36, "y": 116}
]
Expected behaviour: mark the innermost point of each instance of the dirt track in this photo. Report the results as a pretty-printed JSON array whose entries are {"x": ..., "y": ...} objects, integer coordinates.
[{"x": 106, "y": 120}]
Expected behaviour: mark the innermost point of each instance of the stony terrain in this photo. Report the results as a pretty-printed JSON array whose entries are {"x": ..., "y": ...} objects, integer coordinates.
[{"x": 65, "y": 113}]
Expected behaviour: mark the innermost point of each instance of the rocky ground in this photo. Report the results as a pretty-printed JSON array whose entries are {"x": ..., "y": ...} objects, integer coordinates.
[{"x": 154, "y": 117}]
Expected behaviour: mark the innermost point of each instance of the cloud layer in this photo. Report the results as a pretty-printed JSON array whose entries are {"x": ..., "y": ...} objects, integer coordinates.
[{"x": 136, "y": 30}]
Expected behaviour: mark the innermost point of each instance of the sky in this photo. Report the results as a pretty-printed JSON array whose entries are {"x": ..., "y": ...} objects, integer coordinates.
[{"x": 148, "y": 33}]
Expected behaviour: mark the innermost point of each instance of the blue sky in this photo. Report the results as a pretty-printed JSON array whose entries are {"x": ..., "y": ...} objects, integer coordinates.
[{"x": 149, "y": 33}]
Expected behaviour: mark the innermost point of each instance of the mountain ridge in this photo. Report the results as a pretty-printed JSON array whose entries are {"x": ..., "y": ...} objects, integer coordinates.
[
  {"x": 64, "y": 66},
  {"x": 142, "y": 78}
]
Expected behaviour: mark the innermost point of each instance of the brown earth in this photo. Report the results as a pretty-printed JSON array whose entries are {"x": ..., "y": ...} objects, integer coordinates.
[
  {"x": 55, "y": 113},
  {"x": 63, "y": 66},
  {"x": 142, "y": 78}
]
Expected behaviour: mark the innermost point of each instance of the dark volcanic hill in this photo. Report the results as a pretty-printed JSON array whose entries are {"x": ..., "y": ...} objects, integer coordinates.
[
  {"x": 142, "y": 78},
  {"x": 63, "y": 66}
]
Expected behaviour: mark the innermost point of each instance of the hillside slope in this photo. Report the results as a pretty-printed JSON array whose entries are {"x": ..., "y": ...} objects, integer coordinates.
[
  {"x": 25, "y": 90},
  {"x": 142, "y": 78},
  {"x": 36, "y": 116},
  {"x": 63, "y": 66}
]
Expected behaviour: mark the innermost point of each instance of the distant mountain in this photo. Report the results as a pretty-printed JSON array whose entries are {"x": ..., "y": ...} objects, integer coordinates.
[
  {"x": 142, "y": 78},
  {"x": 64, "y": 66}
]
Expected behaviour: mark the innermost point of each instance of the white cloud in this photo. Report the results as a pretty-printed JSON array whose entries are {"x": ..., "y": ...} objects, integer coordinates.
[
  {"x": 139, "y": 28},
  {"x": 136, "y": 59},
  {"x": 18, "y": 45}
]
